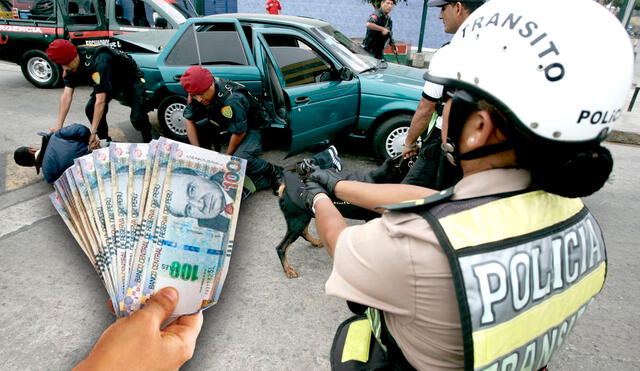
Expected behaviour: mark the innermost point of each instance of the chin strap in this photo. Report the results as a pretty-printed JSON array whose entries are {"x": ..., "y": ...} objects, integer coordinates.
[
  {"x": 452, "y": 155},
  {"x": 462, "y": 105}
]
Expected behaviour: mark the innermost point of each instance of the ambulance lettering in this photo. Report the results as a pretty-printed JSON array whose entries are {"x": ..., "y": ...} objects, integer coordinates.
[{"x": 8, "y": 28}]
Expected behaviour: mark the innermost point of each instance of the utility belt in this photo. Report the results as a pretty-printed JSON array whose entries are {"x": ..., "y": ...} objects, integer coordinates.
[{"x": 525, "y": 266}]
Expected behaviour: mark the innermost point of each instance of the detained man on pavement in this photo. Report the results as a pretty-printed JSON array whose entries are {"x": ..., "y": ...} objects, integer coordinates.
[
  {"x": 430, "y": 169},
  {"x": 217, "y": 105},
  {"x": 112, "y": 74},
  {"x": 57, "y": 152}
]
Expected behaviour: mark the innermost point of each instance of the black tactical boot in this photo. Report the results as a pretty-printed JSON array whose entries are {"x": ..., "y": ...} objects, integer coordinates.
[{"x": 277, "y": 178}]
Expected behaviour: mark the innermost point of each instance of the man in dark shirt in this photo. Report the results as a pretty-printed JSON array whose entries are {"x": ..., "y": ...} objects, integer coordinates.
[
  {"x": 57, "y": 152},
  {"x": 379, "y": 27},
  {"x": 217, "y": 105},
  {"x": 112, "y": 74}
]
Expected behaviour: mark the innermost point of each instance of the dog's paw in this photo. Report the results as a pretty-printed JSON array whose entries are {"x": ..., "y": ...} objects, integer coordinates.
[{"x": 290, "y": 272}]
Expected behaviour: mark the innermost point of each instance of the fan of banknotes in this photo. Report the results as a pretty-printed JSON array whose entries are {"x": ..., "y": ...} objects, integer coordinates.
[{"x": 154, "y": 215}]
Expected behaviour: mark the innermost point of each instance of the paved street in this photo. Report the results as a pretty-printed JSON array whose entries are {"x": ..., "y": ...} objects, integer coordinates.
[{"x": 54, "y": 306}]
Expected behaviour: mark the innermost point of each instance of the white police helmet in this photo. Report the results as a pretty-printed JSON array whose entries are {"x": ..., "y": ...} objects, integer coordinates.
[{"x": 561, "y": 70}]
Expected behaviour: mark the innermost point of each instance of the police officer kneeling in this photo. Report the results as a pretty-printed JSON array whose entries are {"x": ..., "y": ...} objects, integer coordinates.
[
  {"x": 493, "y": 273},
  {"x": 217, "y": 105},
  {"x": 112, "y": 74}
]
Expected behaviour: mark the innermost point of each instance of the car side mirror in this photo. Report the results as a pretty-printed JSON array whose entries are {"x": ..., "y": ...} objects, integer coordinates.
[{"x": 345, "y": 74}]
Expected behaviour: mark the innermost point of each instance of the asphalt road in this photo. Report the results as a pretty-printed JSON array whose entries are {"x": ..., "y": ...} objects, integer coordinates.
[{"x": 53, "y": 305}]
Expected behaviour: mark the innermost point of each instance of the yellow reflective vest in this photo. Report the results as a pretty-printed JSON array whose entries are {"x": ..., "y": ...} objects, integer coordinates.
[{"x": 525, "y": 266}]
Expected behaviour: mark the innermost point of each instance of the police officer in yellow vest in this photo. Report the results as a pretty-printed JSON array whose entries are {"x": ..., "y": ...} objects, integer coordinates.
[{"x": 493, "y": 273}]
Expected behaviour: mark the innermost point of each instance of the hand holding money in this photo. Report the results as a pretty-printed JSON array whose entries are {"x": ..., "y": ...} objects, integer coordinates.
[
  {"x": 155, "y": 215},
  {"x": 138, "y": 343}
]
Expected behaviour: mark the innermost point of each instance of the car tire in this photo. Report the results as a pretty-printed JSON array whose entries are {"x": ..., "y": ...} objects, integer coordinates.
[
  {"x": 389, "y": 136},
  {"x": 170, "y": 117},
  {"x": 39, "y": 70}
]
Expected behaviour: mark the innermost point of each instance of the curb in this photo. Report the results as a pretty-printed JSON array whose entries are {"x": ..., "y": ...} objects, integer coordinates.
[{"x": 623, "y": 137}]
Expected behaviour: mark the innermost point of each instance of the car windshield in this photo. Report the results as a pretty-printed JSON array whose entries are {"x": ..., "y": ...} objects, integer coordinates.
[
  {"x": 349, "y": 52},
  {"x": 178, "y": 10}
]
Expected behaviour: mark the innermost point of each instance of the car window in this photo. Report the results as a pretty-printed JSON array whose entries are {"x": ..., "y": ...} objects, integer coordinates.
[
  {"x": 299, "y": 62},
  {"x": 218, "y": 43},
  {"x": 82, "y": 12},
  {"x": 134, "y": 13},
  {"x": 350, "y": 53}
]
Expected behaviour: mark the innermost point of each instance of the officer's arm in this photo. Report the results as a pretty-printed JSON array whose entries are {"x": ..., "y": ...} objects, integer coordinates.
[
  {"x": 235, "y": 141},
  {"x": 192, "y": 132},
  {"x": 98, "y": 111},
  {"x": 419, "y": 123},
  {"x": 329, "y": 223},
  {"x": 239, "y": 105},
  {"x": 374, "y": 27},
  {"x": 65, "y": 103},
  {"x": 371, "y": 196}
]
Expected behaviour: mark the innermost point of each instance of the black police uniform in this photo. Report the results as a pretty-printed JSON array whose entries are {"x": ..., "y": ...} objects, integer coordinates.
[
  {"x": 235, "y": 110},
  {"x": 116, "y": 74},
  {"x": 374, "y": 41}
]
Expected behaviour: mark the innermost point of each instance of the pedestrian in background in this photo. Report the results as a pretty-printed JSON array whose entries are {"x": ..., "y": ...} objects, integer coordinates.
[
  {"x": 273, "y": 6},
  {"x": 379, "y": 27}
]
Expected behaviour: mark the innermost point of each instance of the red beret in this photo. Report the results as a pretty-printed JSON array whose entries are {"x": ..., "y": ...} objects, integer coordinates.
[
  {"x": 61, "y": 51},
  {"x": 196, "y": 80}
]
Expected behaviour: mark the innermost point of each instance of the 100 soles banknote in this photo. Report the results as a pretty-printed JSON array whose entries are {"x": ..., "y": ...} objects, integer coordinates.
[{"x": 154, "y": 215}]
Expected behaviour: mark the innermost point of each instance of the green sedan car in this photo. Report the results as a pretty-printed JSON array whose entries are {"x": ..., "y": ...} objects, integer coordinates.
[{"x": 317, "y": 83}]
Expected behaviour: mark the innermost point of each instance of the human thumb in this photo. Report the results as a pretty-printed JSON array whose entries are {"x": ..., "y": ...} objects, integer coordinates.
[{"x": 161, "y": 305}]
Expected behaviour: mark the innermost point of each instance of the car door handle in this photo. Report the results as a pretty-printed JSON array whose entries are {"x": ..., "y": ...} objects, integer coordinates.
[
  {"x": 177, "y": 77},
  {"x": 117, "y": 33},
  {"x": 78, "y": 34},
  {"x": 300, "y": 100}
]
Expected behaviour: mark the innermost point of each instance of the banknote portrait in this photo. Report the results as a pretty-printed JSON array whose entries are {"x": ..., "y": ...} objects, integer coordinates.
[{"x": 202, "y": 197}]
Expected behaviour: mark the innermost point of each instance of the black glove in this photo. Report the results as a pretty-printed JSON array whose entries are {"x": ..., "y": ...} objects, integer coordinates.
[
  {"x": 309, "y": 191},
  {"x": 327, "y": 178}
]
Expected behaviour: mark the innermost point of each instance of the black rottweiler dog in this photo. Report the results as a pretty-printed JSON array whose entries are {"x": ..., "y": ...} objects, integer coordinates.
[{"x": 298, "y": 216}]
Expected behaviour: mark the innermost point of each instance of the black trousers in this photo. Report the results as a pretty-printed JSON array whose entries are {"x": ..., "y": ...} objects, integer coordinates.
[
  {"x": 432, "y": 169},
  {"x": 376, "y": 50},
  {"x": 134, "y": 97}
]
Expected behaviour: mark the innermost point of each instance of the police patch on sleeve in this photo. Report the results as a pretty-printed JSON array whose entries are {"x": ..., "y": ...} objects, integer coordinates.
[
  {"x": 227, "y": 112},
  {"x": 96, "y": 77},
  {"x": 374, "y": 17}
]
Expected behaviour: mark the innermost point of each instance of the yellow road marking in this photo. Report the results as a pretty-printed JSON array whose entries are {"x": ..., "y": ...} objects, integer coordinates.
[{"x": 18, "y": 176}]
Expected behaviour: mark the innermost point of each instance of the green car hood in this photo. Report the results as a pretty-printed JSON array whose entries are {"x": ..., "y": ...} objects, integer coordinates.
[{"x": 395, "y": 81}]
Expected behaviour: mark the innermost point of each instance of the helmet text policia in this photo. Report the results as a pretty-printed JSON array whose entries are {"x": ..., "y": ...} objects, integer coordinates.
[{"x": 559, "y": 70}]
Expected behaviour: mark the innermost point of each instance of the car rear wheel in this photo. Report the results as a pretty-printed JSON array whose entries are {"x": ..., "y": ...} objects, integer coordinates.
[
  {"x": 40, "y": 70},
  {"x": 389, "y": 136},
  {"x": 171, "y": 119}
]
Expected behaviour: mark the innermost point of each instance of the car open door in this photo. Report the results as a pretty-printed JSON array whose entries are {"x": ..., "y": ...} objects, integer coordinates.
[{"x": 305, "y": 81}]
